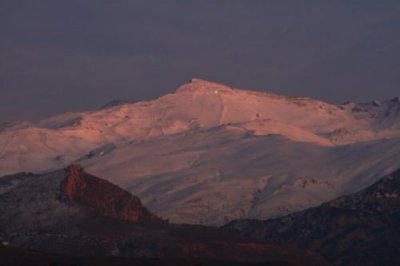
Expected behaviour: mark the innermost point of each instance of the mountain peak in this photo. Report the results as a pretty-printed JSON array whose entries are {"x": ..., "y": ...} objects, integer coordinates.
[
  {"x": 196, "y": 84},
  {"x": 197, "y": 80}
]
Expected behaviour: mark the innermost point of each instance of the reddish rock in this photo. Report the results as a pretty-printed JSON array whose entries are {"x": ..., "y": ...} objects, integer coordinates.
[{"x": 104, "y": 197}]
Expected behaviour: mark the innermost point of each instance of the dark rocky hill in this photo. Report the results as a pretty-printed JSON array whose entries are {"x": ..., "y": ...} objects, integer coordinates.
[
  {"x": 358, "y": 229},
  {"x": 70, "y": 217}
]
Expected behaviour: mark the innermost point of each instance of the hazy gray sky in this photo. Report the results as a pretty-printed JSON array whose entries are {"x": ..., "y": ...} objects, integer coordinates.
[{"x": 64, "y": 55}]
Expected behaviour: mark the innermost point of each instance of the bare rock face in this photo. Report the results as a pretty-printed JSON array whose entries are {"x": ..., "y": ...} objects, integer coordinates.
[{"x": 104, "y": 197}]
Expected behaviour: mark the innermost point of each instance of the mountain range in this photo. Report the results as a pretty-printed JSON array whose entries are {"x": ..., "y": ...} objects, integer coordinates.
[
  {"x": 206, "y": 175},
  {"x": 209, "y": 154}
]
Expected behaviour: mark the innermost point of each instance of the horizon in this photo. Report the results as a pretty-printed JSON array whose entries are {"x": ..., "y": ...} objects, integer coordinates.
[
  {"x": 79, "y": 55},
  {"x": 129, "y": 101}
]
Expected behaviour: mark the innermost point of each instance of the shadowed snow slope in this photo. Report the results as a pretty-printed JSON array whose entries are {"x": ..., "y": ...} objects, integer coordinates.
[{"x": 209, "y": 153}]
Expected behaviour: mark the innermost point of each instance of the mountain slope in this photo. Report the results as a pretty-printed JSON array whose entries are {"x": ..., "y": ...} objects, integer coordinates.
[
  {"x": 72, "y": 214},
  {"x": 198, "y": 104},
  {"x": 213, "y": 176},
  {"x": 60, "y": 204},
  {"x": 358, "y": 229},
  {"x": 208, "y": 153}
]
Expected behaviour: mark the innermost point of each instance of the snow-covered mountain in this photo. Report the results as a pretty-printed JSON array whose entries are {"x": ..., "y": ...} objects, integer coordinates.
[{"x": 209, "y": 153}]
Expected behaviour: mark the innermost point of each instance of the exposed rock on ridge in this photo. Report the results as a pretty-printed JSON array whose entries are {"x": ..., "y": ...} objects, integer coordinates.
[{"x": 103, "y": 197}]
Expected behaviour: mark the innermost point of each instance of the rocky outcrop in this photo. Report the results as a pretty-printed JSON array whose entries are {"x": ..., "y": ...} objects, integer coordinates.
[{"x": 104, "y": 197}]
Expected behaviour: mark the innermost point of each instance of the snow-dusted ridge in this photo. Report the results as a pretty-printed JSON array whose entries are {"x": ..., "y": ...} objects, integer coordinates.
[{"x": 208, "y": 153}]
